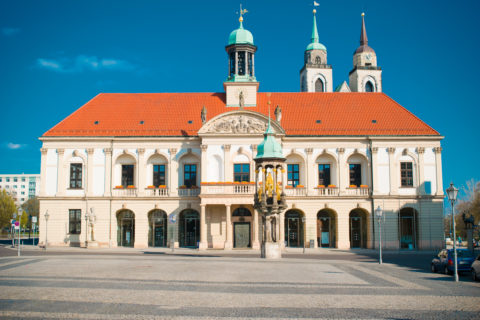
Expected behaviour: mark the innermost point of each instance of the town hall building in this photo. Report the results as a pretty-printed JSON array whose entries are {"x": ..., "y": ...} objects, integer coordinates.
[{"x": 177, "y": 169}]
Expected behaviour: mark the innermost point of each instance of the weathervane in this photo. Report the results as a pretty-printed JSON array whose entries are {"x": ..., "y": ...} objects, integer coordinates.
[{"x": 242, "y": 12}]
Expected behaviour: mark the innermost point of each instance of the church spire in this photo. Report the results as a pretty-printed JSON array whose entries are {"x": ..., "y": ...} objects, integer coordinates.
[
  {"x": 314, "y": 29},
  {"x": 363, "y": 34}
]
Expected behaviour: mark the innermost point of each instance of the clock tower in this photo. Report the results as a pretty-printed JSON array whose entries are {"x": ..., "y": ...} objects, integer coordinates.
[
  {"x": 241, "y": 85},
  {"x": 366, "y": 76},
  {"x": 316, "y": 74}
]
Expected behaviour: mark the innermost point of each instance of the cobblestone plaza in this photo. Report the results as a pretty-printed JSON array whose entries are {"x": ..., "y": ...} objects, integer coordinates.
[{"x": 156, "y": 284}]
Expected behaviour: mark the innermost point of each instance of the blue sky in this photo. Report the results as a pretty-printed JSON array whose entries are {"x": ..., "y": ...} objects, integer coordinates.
[{"x": 57, "y": 55}]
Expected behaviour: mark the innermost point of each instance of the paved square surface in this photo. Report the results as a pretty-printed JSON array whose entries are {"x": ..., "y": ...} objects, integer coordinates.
[{"x": 184, "y": 286}]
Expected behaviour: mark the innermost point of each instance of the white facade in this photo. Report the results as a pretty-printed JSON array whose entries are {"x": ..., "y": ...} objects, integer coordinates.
[{"x": 21, "y": 186}]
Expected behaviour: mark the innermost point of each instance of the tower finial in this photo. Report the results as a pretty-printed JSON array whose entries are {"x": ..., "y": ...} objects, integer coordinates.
[
  {"x": 363, "y": 34},
  {"x": 314, "y": 29},
  {"x": 241, "y": 13}
]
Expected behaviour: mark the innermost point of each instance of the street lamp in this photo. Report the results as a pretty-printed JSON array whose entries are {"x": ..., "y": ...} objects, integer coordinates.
[
  {"x": 303, "y": 225},
  {"x": 12, "y": 230},
  {"x": 20, "y": 214},
  {"x": 452, "y": 197},
  {"x": 379, "y": 215},
  {"x": 46, "y": 228}
]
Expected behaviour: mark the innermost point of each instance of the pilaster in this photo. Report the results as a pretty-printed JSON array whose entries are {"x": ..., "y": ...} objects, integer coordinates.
[
  {"x": 90, "y": 152},
  {"x": 374, "y": 170},
  {"x": 142, "y": 166},
  {"x": 61, "y": 177},
  {"x": 108, "y": 172},
  {"x": 392, "y": 171},
  {"x": 343, "y": 231},
  {"x": 204, "y": 173},
  {"x": 282, "y": 230},
  {"x": 173, "y": 183},
  {"x": 438, "y": 166},
  {"x": 228, "y": 169},
  {"x": 229, "y": 242},
  {"x": 256, "y": 243},
  {"x": 342, "y": 174},
  {"x": 309, "y": 172},
  {"x": 420, "y": 170},
  {"x": 43, "y": 171},
  {"x": 203, "y": 229}
]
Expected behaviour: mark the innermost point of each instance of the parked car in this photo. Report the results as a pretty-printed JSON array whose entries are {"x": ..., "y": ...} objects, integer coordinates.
[
  {"x": 476, "y": 269},
  {"x": 443, "y": 262}
]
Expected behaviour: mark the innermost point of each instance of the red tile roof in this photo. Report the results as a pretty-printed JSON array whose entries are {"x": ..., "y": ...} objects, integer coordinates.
[{"x": 168, "y": 114}]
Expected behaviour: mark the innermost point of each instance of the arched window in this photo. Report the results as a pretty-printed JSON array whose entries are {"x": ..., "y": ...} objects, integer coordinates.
[
  {"x": 319, "y": 86},
  {"x": 318, "y": 60},
  {"x": 369, "y": 87}
]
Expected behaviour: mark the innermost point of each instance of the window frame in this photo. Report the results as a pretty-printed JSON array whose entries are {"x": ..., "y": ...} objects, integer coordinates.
[
  {"x": 125, "y": 179},
  {"x": 76, "y": 182},
  {"x": 244, "y": 175},
  {"x": 188, "y": 182},
  {"x": 408, "y": 179},
  {"x": 355, "y": 177},
  {"x": 291, "y": 179},
  {"x": 159, "y": 175},
  {"x": 75, "y": 225},
  {"x": 329, "y": 174}
]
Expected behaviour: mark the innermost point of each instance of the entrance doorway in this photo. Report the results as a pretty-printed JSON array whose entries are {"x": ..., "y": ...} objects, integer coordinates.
[
  {"x": 241, "y": 235},
  {"x": 157, "y": 228},
  {"x": 189, "y": 228},
  {"x": 408, "y": 228},
  {"x": 125, "y": 228},
  {"x": 241, "y": 229},
  {"x": 293, "y": 229},
  {"x": 326, "y": 229},
  {"x": 358, "y": 229}
]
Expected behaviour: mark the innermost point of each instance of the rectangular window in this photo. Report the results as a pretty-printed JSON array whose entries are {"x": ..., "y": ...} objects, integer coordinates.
[
  {"x": 324, "y": 174},
  {"x": 241, "y": 172},
  {"x": 190, "y": 175},
  {"x": 159, "y": 175},
  {"x": 23, "y": 179},
  {"x": 15, "y": 186},
  {"x": 15, "y": 180},
  {"x": 75, "y": 222},
  {"x": 355, "y": 174},
  {"x": 0, "y": 179},
  {"x": 23, "y": 186},
  {"x": 75, "y": 176},
  {"x": 8, "y": 179},
  {"x": 406, "y": 171},
  {"x": 293, "y": 175},
  {"x": 23, "y": 192},
  {"x": 127, "y": 175}
]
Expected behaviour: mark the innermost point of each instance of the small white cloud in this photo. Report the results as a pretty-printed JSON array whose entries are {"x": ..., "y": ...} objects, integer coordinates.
[
  {"x": 10, "y": 31},
  {"x": 14, "y": 146},
  {"x": 83, "y": 63}
]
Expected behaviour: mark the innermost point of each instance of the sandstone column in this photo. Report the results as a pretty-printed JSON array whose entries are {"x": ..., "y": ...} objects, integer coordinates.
[
  {"x": 90, "y": 153},
  {"x": 421, "y": 175},
  {"x": 256, "y": 230},
  {"x": 61, "y": 177},
  {"x": 108, "y": 172},
  {"x": 142, "y": 166},
  {"x": 173, "y": 183},
  {"x": 310, "y": 172},
  {"x": 203, "y": 229},
  {"x": 229, "y": 242},
  {"x": 438, "y": 165},
  {"x": 374, "y": 170},
  {"x": 392, "y": 170},
  {"x": 342, "y": 175},
  {"x": 43, "y": 172}
]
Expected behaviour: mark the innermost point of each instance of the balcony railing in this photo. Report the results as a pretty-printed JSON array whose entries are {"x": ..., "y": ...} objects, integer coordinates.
[
  {"x": 156, "y": 192},
  {"x": 125, "y": 192},
  {"x": 327, "y": 191},
  {"x": 357, "y": 191},
  {"x": 224, "y": 188},
  {"x": 188, "y": 192},
  {"x": 296, "y": 192}
]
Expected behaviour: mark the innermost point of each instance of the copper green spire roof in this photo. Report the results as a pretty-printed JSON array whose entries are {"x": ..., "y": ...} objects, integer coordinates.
[
  {"x": 315, "y": 44},
  {"x": 240, "y": 35},
  {"x": 269, "y": 148}
]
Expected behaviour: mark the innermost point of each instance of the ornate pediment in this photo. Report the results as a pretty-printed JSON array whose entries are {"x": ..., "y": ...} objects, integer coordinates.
[{"x": 239, "y": 123}]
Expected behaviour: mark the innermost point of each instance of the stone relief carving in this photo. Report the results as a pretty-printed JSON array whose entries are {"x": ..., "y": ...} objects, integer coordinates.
[{"x": 237, "y": 124}]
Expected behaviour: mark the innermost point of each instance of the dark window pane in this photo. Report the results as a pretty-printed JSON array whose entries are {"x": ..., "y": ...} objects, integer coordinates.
[
  {"x": 127, "y": 175},
  {"x": 324, "y": 174},
  {"x": 406, "y": 172},
  {"x": 293, "y": 175},
  {"x": 190, "y": 175},
  {"x": 158, "y": 175},
  {"x": 76, "y": 175},
  {"x": 74, "y": 223},
  {"x": 355, "y": 174}
]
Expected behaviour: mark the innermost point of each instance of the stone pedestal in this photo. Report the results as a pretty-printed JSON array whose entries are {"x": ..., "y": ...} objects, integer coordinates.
[
  {"x": 271, "y": 250},
  {"x": 203, "y": 246},
  {"x": 92, "y": 244}
]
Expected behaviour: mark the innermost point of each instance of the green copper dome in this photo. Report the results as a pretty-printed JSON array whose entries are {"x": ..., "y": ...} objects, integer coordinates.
[
  {"x": 315, "y": 44},
  {"x": 240, "y": 35},
  {"x": 269, "y": 148}
]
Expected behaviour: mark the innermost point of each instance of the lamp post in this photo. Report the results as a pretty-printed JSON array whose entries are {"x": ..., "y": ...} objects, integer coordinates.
[
  {"x": 452, "y": 197},
  {"x": 20, "y": 213},
  {"x": 46, "y": 229},
  {"x": 379, "y": 215},
  {"x": 12, "y": 230}
]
